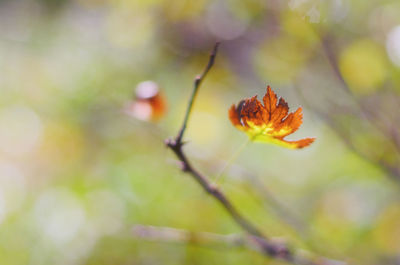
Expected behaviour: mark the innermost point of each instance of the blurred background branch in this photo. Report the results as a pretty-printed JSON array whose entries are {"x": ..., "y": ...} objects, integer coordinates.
[{"x": 216, "y": 241}]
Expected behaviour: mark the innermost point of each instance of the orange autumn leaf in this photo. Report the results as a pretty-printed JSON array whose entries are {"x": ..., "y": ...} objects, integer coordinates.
[{"x": 270, "y": 122}]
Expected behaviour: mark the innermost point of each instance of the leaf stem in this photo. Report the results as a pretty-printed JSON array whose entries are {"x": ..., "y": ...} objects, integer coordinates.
[{"x": 231, "y": 160}]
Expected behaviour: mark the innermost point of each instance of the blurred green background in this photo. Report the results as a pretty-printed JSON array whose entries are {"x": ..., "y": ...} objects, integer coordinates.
[{"x": 77, "y": 173}]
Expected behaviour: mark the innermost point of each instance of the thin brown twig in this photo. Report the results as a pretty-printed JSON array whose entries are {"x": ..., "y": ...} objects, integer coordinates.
[
  {"x": 279, "y": 251},
  {"x": 197, "y": 82}
]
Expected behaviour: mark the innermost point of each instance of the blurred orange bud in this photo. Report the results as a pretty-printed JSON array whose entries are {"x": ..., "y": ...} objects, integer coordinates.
[{"x": 149, "y": 103}]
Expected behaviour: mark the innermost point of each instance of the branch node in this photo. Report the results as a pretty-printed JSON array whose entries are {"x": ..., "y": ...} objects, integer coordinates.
[
  {"x": 169, "y": 142},
  {"x": 185, "y": 167},
  {"x": 213, "y": 189},
  {"x": 174, "y": 144}
]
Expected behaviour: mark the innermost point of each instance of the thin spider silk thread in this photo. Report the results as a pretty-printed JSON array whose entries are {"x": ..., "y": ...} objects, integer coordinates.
[{"x": 218, "y": 179}]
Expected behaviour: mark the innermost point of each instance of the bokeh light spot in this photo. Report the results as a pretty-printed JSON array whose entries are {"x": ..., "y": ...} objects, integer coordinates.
[
  {"x": 12, "y": 186},
  {"x": 280, "y": 59},
  {"x": 59, "y": 215},
  {"x": 106, "y": 211},
  {"x": 20, "y": 130},
  {"x": 364, "y": 67},
  {"x": 393, "y": 45},
  {"x": 63, "y": 142},
  {"x": 223, "y": 23},
  {"x": 387, "y": 232}
]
